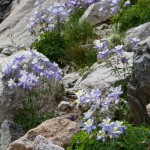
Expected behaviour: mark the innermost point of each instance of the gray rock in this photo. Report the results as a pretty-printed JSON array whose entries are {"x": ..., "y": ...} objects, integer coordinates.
[
  {"x": 99, "y": 76},
  {"x": 70, "y": 78},
  {"x": 148, "y": 109},
  {"x": 8, "y": 51},
  {"x": 9, "y": 133},
  {"x": 2, "y": 56},
  {"x": 92, "y": 14},
  {"x": 5, "y": 8},
  {"x": 141, "y": 32},
  {"x": 103, "y": 30},
  {"x": 139, "y": 86},
  {"x": 64, "y": 105},
  {"x": 41, "y": 143}
]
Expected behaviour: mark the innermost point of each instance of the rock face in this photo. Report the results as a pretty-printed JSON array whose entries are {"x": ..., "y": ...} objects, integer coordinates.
[
  {"x": 64, "y": 105},
  {"x": 139, "y": 86},
  {"x": 148, "y": 109},
  {"x": 94, "y": 16},
  {"x": 103, "y": 30},
  {"x": 99, "y": 76},
  {"x": 13, "y": 31},
  {"x": 141, "y": 32},
  {"x": 41, "y": 143},
  {"x": 5, "y": 8},
  {"x": 70, "y": 79},
  {"x": 8, "y": 107},
  {"x": 58, "y": 130},
  {"x": 9, "y": 133}
]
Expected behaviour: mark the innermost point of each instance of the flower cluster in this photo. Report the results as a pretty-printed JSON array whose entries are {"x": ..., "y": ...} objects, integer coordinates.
[
  {"x": 111, "y": 129},
  {"x": 104, "y": 52},
  {"x": 27, "y": 71},
  {"x": 103, "y": 106},
  {"x": 57, "y": 12},
  {"x": 79, "y": 4},
  {"x": 118, "y": 62},
  {"x": 111, "y": 6},
  {"x": 102, "y": 48},
  {"x": 117, "y": 52},
  {"x": 47, "y": 18}
]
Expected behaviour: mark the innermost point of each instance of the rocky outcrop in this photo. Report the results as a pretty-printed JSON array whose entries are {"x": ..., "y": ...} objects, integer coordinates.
[
  {"x": 100, "y": 76},
  {"x": 41, "y": 143},
  {"x": 148, "y": 109},
  {"x": 64, "y": 105},
  {"x": 95, "y": 16},
  {"x": 141, "y": 32},
  {"x": 103, "y": 30},
  {"x": 10, "y": 132},
  {"x": 70, "y": 79},
  {"x": 92, "y": 14},
  {"x": 139, "y": 86},
  {"x": 58, "y": 130},
  {"x": 5, "y": 8}
]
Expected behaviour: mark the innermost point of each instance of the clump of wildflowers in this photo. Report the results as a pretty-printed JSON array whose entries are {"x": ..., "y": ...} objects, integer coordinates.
[
  {"x": 49, "y": 18},
  {"x": 110, "y": 129},
  {"x": 73, "y": 4},
  {"x": 102, "y": 48},
  {"x": 100, "y": 107},
  {"x": 118, "y": 57},
  {"x": 111, "y": 7},
  {"x": 31, "y": 80},
  {"x": 26, "y": 72},
  {"x": 46, "y": 20}
]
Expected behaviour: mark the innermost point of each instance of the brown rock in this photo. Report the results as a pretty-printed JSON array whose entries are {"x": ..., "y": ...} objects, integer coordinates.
[{"x": 58, "y": 130}]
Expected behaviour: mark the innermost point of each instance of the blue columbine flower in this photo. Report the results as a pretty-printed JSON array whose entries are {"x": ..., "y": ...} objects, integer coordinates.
[
  {"x": 127, "y": 3},
  {"x": 88, "y": 125},
  {"x": 37, "y": 3},
  {"x": 101, "y": 135},
  {"x": 115, "y": 92},
  {"x": 11, "y": 83},
  {"x": 135, "y": 41}
]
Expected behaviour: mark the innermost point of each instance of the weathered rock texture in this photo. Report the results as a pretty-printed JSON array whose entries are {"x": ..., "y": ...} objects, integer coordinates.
[
  {"x": 5, "y": 8},
  {"x": 100, "y": 76},
  {"x": 70, "y": 79},
  {"x": 92, "y": 14},
  {"x": 41, "y": 143},
  {"x": 141, "y": 32},
  {"x": 148, "y": 109},
  {"x": 139, "y": 86},
  {"x": 58, "y": 130},
  {"x": 9, "y": 133}
]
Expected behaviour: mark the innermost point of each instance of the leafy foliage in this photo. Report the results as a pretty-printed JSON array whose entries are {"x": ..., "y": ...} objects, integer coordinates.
[
  {"x": 134, "y": 138},
  {"x": 29, "y": 117},
  {"x": 51, "y": 44},
  {"x": 64, "y": 43},
  {"x": 134, "y": 15}
]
